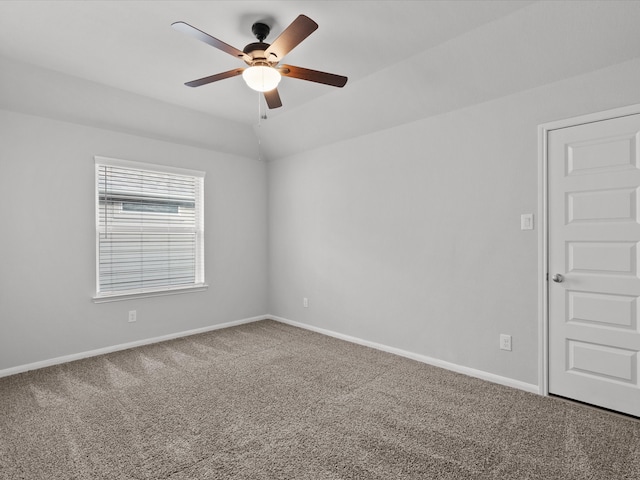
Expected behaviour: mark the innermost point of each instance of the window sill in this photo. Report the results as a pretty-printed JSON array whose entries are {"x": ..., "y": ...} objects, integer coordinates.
[{"x": 117, "y": 297}]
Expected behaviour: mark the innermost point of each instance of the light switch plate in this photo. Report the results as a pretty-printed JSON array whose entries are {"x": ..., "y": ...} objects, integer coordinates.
[{"x": 526, "y": 221}]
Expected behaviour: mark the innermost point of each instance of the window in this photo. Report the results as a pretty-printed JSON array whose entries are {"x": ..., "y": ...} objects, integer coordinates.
[{"x": 149, "y": 229}]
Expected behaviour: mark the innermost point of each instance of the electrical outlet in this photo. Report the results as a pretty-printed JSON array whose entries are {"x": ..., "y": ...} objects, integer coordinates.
[
  {"x": 505, "y": 342},
  {"x": 305, "y": 302},
  {"x": 132, "y": 316}
]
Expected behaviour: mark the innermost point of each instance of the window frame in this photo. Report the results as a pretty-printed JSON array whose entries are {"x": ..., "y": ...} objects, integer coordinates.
[{"x": 199, "y": 280}]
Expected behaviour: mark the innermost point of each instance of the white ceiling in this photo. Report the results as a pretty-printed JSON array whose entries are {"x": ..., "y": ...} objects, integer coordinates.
[
  {"x": 131, "y": 46},
  {"x": 405, "y": 60}
]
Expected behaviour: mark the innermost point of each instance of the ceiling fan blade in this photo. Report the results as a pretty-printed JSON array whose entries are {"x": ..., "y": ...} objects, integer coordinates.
[
  {"x": 215, "y": 78},
  {"x": 291, "y": 37},
  {"x": 206, "y": 38},
  {"x": 313, "y": 75},
  {"x": 273, "y": 98}
]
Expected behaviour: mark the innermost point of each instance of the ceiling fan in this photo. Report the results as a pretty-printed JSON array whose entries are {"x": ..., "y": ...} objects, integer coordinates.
[{"x": 265, "y": 71}]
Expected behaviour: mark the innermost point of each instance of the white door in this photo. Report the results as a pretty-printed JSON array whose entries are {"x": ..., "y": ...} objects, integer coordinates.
[{"x": 594, "y": 259}]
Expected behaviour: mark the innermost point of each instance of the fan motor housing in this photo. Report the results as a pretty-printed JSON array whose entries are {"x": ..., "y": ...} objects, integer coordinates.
[
  {"x": 255, "y": 48},
  {"x": 257, "y": 52}
]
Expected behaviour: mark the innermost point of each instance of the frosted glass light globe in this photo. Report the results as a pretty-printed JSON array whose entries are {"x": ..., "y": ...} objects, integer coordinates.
[{"x": 261, "y": 78}]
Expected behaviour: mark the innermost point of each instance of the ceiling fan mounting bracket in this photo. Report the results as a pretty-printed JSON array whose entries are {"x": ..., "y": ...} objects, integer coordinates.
[{"x": 260, "y": 30}]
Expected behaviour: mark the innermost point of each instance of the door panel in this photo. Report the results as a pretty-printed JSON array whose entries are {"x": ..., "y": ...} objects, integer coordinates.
[
  {"x": 619, "y": 205},
  {"x": 602, "y": 258},
  {"x": 602, "y": 361},
  {"x": 602, "y": 154},
  {"x": 617, "y": 311},
  {"x": 594, "y": 242}
]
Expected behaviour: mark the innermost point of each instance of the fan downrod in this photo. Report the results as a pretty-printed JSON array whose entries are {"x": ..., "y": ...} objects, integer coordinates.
[{"x": 260, "y": 30}]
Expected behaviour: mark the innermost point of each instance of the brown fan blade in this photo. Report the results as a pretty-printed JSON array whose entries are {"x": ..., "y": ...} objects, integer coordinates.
[
  {"x": 215, "y": 78},
  {"x": 295, "y": 33},
  {"x": 273, "y": 98},
  {"x": 313, "y": 75},
  {"x": 206, "y": 38}
]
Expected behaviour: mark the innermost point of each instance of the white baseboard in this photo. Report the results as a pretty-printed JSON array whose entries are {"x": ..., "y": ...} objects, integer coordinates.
[
  {"x": 472, "y": 372},
  {"x": 124, "y": 346}
]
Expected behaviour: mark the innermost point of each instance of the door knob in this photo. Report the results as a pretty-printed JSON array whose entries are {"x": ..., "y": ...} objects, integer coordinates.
[{"x": 557, "y": 278}]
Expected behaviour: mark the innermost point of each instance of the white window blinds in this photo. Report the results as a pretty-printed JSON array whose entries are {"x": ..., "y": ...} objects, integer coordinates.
[{"x": 149, "y": 228}]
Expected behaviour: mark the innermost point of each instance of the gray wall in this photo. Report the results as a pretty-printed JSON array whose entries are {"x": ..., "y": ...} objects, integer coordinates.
[
  {"x": 410, "y": 237},
  {"x": 47, "y": 259}
]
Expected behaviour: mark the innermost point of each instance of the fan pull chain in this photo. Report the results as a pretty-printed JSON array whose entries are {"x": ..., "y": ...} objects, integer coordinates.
[
  {"x": 259, "y": 128},
  {"x": 261, "y": 116}
]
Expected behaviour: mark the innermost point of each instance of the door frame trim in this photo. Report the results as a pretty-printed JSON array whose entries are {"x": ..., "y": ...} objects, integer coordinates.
[{"x": 543, "y": 230}]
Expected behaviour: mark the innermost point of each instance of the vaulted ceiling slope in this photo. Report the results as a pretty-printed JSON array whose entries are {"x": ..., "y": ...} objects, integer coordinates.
[
  {"x": 118, "y": 64},
  {"x": 543, "y": 43}
]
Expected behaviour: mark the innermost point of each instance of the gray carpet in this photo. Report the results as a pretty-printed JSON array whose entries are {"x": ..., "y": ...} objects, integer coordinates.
[{"x": 270, "y": 401}]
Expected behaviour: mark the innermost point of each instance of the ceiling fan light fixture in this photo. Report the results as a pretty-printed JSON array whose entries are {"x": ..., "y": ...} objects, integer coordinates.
[
  {"x": 261, "y": 58},
  {"x": 261, "y": 78}
]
